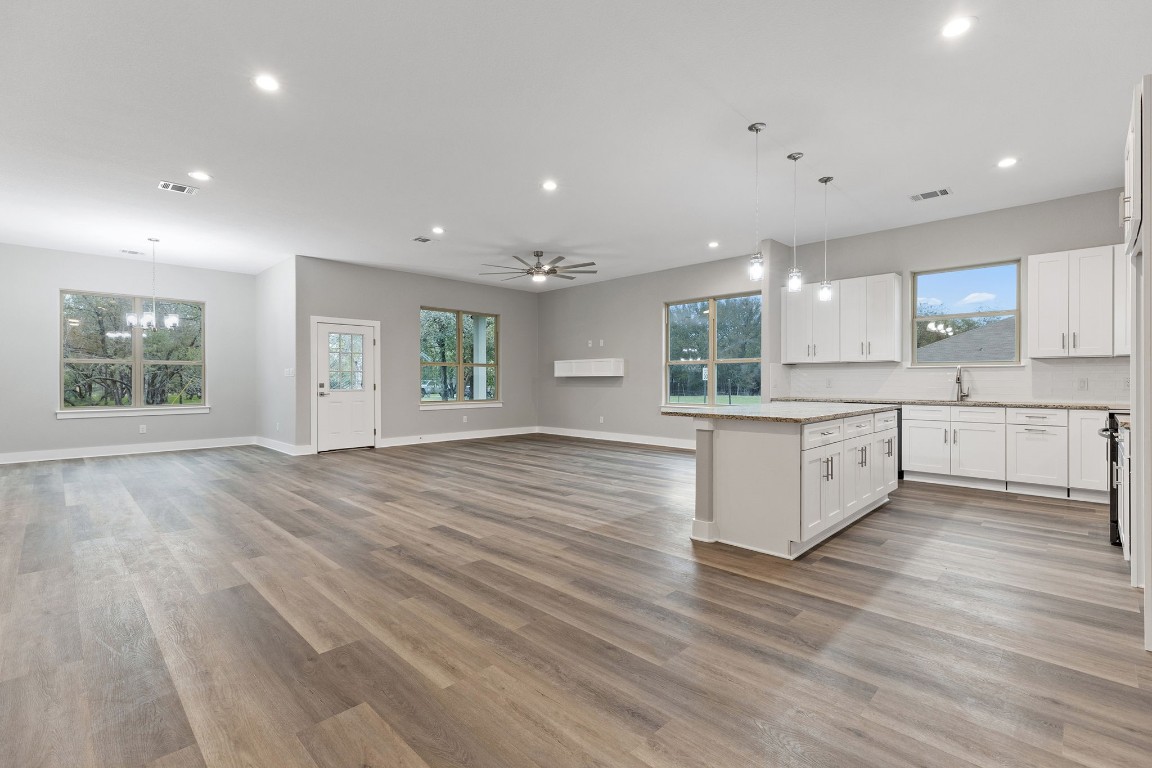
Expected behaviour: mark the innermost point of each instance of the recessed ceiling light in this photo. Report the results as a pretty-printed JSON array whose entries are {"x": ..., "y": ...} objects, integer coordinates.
[
  {"x": 266, "y": 83},
  {"x": 713, "y": 244},
  {"x": 1007, "y": 162},
  {"x": 437, "y": 230},
  {"x": 199, "y": 175},
  {"x": 958, "y": 26},
  {"x": 549, "y": 185}
]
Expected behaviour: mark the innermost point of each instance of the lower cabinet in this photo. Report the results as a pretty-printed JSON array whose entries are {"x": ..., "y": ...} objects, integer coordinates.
[
  {"x": 841, "y": 479},
  {"x": 821, "y": 489},
  {"x": 1089, "y": 466},
  {"x": 927, "y": 447},
  {"x": 977, "y": 450},
  {"x": 885, "y": 463},
  {"x": 857, "y": 487},
  {"x": 1037, "y": 455}
]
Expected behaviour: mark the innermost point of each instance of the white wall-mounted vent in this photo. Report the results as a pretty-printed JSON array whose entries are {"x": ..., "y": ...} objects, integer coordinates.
[
  {"x": 182, "y": 188},
  {"x": 931, "y": 194},
  {"x": 421, "y": 239}
]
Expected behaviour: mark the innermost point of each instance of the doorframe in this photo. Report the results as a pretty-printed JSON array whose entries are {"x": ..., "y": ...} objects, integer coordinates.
[{"x": 314, "y": 323}]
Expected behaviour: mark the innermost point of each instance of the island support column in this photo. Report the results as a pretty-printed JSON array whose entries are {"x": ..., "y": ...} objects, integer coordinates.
[{"x": 704, "y": 523}]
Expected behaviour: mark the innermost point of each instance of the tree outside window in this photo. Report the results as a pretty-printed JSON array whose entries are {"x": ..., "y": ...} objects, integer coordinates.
[
  {"x": 714, "y": 350},
  {"x": 458, "y": 356}
]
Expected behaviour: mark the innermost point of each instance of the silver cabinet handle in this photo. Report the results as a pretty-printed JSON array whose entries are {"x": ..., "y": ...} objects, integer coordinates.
[
  {"x": 827, "y": 473},
  {"x": 829, "y": 432},
  {"x": 869, "y": 347},
  {"x": 1062, "y": 339},
  {"x": 861, "y": 347},
  {"x": 1030, "y": 429},
  {"x": 865, "y": 449},
  {"x": 891, "y": 445},
  {"x": 945, "y": 435},
  {"x": 954, "y": 436},
  {"x": 808, "y": 350},
  {"x": 1073, "y": 339},
  {"x": 831, "y": 467},
  {"x": 1033, "y": 416},
  {"x": 813, "y": 350}
]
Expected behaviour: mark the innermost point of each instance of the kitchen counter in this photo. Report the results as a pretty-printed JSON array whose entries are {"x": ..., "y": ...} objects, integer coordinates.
[
  {"x": 796, "y": 412},
  {"x": 969, "y": 403}
]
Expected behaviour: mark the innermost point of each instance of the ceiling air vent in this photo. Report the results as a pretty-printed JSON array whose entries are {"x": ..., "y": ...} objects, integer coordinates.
[
  {"x": 421, "y": 239},
  {"x": 182, "y": 188},
  {"x": 930, "y": 195},
  {"x": 131, "y": 252}
]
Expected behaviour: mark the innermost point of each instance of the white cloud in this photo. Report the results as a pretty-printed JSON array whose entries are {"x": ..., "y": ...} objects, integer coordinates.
[
  {"x": 929, "y": 302},
  {"x": 977, "y": 298}
]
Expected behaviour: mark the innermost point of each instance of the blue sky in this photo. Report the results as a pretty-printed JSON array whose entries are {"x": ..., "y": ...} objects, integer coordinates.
[{"x": 970, "y": 290}]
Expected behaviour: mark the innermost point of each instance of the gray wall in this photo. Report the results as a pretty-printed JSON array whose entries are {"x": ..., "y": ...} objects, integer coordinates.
[
  {"x": 334, "y": 289},
  {"x": 30, "y": 375},
  {"x": 276, "y": 351}
]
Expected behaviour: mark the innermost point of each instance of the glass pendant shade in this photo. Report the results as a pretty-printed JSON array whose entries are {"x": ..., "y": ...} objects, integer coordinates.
[
  {"x": 825, "y": 292},
  {"x": 148, "y": 320},
  {"x": 171, "y": 321},
  {"x": 795, "y": 280},
  {"x": 756, "y": 268},
  {"x": 131, "y": 319}
]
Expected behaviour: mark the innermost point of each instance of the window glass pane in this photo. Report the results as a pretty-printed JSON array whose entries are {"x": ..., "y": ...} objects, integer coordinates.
[
  {"x": 966, "y": 339},
  {"x": 437, "y": 382},
  {"x": 173, "y": 385},
  {"x": 979, "y": 289},
  {"x": 737, "y": 383},
  {"x": 687, "y": 383},
  {"x": 738, "y": 328},
  {"x": 90, "y": 385},
  {"x": 346, "y": 364},
  {"x": 179, "y": 334},
  {"x": 479, "y": 383},
  {"x": 688, "y": 331},
  {"x": 479, "y": 339},
  {"x": 437, "y": 336},
  {"x": 96, "y": 327}
]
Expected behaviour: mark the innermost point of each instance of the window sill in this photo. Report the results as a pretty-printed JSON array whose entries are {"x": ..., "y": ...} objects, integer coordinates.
[
  {"x": 953, "y": 366},
  {"x": 457, "y": 406},
  {"x": 111, "y": 413}
]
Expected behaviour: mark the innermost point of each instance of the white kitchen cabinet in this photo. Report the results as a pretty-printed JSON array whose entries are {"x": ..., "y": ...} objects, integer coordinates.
[
  {"x": 977, "y": 450},
  {"x": 825, "y": 325},
  {"x": 884, "y": 462},
  {"x": 1131, "y": 200},
  {"x": 821, "y": 498},
  {"x": 1037, "y": 455},
  {"x": 1070, "y": 303},
  {"x": 810, "y": 331},
  {"x": 1121, "y": 302},
  {"x": 858, "y": 488},
  {"x": 926, "y": 446},
  {"x": 1088, "y": 461},
  {"x": 870, "y": 319},
  {"x": 796, "y": 328}
]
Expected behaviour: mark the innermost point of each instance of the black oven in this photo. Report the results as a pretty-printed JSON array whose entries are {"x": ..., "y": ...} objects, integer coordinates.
[{"x": 1112, "y": 434}]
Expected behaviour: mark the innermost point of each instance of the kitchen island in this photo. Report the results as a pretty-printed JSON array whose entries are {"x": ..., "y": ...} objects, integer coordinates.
[{"x": 780, "y": 478}]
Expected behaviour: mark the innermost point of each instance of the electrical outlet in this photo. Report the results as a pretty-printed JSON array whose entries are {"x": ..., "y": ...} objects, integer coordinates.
[
  {"x": 465, "y": 419},
  {"x": 601, "y": 419},
  {"x": 589, "y": 342},
  {"x": 143, "y": 429},
  {"x": 277, "y": 426},
  {"x": 828, "y": 383},
  {"x": 1082, "y": 385},
  {"x": 1127, "y": 382},
  {"x": 289, "y": 371},
  {"x": 601, "y": 342}
]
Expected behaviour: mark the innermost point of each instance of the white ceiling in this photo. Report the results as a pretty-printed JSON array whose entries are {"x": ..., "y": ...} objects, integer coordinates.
[{"x": 394, "y": 117}]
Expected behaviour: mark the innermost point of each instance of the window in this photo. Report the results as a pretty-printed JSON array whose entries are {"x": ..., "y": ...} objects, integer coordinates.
[
  {"x": 969, "y": 315},
  {"x": 108, "y": 361},
  {"x": 458, "y": 356},
  {"x": 713, "y": 350}
]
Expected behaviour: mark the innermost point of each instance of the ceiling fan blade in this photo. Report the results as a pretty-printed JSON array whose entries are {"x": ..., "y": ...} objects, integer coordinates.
[
  {"x": 525, "y": 263},
  {"x": 564, "y": 277},
  {"x": 501, "y": 266},
  {"x": 501, "y": 273},
  {"x": 555, "y": 261},
  {"x": 577, "y": 266},
  {"x": 576, "y": 272},
  {"x": 512, "y": 278}
]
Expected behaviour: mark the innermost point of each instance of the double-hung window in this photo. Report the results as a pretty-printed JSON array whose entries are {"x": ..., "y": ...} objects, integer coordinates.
[
  {"x": 458, "y": 356},
  {"x": 713, "y": 350},
  {"x": 969, "y": 315},
  {"x": 109, "y": 359}
]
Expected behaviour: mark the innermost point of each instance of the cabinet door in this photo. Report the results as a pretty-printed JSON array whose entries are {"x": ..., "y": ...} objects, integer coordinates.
[
  {"x": 1088, "y": 462},
  {"x": 1122, "y": 302},
  {"x": 832, "y": 494},
  {"x": 796, "y": 328},
  {"x": 925, "y": 446},
  {"x": 814, "y": 471},
  {"x": 1134, "y": 172},
  {"x": 854, "y": 320},
  {"x": 977, "y": 450},
  {"x": 857, "y": 475},
  {"x": 1090, "y": 301},
  {"x": 1048, "y": 305},
  {"x": 882, "y": 458},
  {"x": 1037, "y": 455},
  {"x": 891, "y": 455},
  {"x": 883, "y": 318},
  {"x": 825, "y": 324}
]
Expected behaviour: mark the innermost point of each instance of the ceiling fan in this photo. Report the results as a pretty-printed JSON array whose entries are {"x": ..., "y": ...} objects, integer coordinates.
[{"x": 539, "y": 272}]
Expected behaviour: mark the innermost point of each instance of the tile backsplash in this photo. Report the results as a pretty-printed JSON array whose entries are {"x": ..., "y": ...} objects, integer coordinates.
[{"x": 1095, "y": 380}]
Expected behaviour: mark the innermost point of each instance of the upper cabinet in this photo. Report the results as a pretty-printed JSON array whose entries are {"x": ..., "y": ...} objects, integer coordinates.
[
  {"x": 861, "y": 323},
  {"x": 1131, "y": 207},
  {"x": 1122, "y": 301},
  {"x": 1070, "y": 308}
]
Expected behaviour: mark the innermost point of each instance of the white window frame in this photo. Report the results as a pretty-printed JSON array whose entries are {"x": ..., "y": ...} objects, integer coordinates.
[{"x": 1015, "y": 361}]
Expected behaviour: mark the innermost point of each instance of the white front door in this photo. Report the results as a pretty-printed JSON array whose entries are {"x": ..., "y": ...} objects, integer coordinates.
[{"x": 345, "y": 387}]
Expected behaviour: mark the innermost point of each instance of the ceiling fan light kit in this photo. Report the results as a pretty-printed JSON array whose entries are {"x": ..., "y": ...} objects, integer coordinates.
[{"x": 540, "y": 272}]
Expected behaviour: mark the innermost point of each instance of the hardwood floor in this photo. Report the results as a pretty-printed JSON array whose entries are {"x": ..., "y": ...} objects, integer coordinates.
[{"x": 536, "y": 601}]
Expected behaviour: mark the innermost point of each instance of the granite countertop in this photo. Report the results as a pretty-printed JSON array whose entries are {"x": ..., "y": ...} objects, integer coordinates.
[
  {"x": 788, "y": 413},
  {"x": 969, "y": 403}
]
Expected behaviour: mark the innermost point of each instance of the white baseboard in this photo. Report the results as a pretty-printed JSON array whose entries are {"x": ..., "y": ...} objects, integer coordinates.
[
  {"x": 1095, "y": 497},
  {"x": 959, "y": 482},
  {"x": 443, "y": 437},
  {"x": 619, "y": 437},
  {"x": 58, "y": 454},
  {"x": 282, "y": 447},
  {"x": 704, "y": 530},
  {"x": 1033, "y": 489}
]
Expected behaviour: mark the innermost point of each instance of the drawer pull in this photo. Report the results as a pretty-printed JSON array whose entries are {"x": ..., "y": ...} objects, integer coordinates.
[
  {"x": 829, "y": 432},
  {"x": 1030, "y": 429}
]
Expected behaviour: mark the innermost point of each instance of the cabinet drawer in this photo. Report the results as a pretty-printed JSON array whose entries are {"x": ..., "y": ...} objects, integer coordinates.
[
  {"x": 1051, "y": 417},
  {"x": 927, "y": 412},
  {"x": 978, "y": 414},
  {"x": 883, "y": 421},
  {"x": 822, "y": 433},
  {"x": 858, "y": 425}
]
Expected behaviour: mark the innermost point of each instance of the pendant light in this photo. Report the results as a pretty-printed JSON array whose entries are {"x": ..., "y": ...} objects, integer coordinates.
[
  {"x": 795, "y": 276},
  {"x": 825, "y": 292},
  {"x": 148, "y": 320},
  {"x": 756, "y": 261}
]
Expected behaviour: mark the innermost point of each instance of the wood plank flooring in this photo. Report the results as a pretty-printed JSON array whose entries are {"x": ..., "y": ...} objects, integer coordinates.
[{"x": 536, "y": 601}]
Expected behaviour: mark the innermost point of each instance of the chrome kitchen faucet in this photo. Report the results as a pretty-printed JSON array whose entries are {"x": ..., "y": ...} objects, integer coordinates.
[{"x": 961, "y": 393}]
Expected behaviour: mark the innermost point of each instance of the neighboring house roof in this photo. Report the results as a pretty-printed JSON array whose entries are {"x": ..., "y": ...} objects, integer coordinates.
[{"x": 995, "y": 341}]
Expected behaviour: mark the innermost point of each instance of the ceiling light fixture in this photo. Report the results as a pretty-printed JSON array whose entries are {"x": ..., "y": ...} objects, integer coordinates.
[
  {"x": 825, "y": 292},
  {"x": 1007, "y": 162},
  {"x": 199, "y": 176},
  {"x": 147, "y": 320},
  {"x": 266, "y": 83},
  {"x": 756, "y": 261},
  {"x": 958, "y": 26},
  {"x": 713, "y": 244},
  {"x": 539, "y": 278},
  {"x": 795, "y": 276},
  {"x": 549, "y": 185},
  {"x": 437, "y": 230}
]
